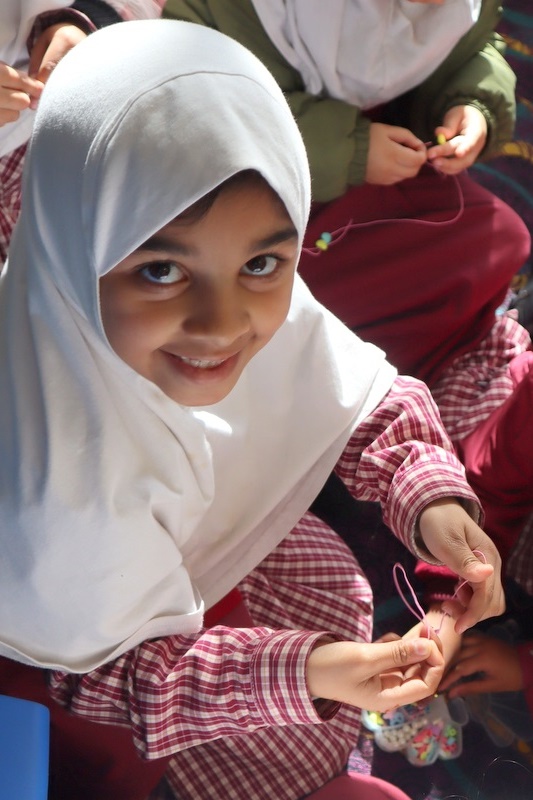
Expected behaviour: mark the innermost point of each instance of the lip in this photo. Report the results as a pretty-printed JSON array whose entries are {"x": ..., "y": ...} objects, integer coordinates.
[{"x": 202, "y": 370}]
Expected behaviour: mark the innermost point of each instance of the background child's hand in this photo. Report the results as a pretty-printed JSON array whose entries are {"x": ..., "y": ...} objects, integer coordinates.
[
  {"x": 451, "y": 536},
  {"x": 51, "y": 46},
  {"x": 465, "y": 129},
  {"x": 378, "y": 676},
  {"x": 394, "y": 154},
  {"x": 17, "y": 91},
  {"x": 497, "y": 661}
]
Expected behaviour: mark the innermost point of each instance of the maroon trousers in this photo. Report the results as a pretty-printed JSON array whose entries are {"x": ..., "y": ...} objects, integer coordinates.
[{"x": 424, "y": 293}]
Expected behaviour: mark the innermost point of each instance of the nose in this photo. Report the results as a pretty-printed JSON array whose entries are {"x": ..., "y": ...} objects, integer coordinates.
[{"x": 218, "y": 313}]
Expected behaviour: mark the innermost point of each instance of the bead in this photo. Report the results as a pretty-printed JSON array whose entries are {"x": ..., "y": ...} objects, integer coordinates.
[
  {"x": 321, "y": 244},
  {"x": 326, "y": 236},
  {"x": 441, "y": 138}
]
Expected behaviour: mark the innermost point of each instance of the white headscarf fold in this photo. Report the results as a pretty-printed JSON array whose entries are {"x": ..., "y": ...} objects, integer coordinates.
[
  {"x": 365, "y": 52},
  {"x": 123, "y": 514}
]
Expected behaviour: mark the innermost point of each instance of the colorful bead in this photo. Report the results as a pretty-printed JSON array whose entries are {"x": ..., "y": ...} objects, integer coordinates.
[{"x": 321, "y": 244}]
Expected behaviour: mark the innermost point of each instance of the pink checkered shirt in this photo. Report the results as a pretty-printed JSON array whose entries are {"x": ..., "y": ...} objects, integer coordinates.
[
  {"x": 10, "y": 190},
  {"x": 231, "y": 705}
]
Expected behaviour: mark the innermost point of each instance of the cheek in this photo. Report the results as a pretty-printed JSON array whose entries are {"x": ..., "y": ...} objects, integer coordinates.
[
  {"x": 129, "y": 330},
  {"x": 274, "y": 309}
]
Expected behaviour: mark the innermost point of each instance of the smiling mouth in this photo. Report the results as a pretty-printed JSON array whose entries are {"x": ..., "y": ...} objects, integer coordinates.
[{"x": 200, "y": 363}]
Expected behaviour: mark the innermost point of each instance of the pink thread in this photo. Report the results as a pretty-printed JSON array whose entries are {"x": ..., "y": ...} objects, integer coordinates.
[
  {"x": 418, "y": 611},
  {"x": 340, "y": 233}
]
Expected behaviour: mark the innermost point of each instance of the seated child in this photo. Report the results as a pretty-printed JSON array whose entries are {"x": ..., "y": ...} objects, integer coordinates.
[{"x": 173, "y": 399}]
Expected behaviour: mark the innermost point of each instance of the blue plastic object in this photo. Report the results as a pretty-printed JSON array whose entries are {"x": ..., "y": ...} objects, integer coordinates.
[{"x": 24, "y": 749}]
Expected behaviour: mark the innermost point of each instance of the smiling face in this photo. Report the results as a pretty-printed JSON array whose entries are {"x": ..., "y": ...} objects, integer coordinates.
[{"x": 192, "y": 306}]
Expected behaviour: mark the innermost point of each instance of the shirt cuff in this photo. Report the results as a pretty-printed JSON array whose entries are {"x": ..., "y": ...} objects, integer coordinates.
[
  {"x": 414, "y": 493},
  {"x": 280, "y": 694}
]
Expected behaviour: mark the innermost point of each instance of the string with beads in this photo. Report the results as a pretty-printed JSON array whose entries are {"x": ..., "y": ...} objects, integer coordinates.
[{"x": 326, "y": 239}]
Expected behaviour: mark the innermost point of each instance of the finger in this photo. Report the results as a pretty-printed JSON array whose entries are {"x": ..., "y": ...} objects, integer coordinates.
[
  {"x": 19, "y": 81},
  {"x": 411, "y": 690},
  {"x": 466, "y": 688},
  {"x": 487, "y": 601},
  {"x": 388, "y": 637},
  {"x": 454, "y": 675},
  {"x": 464, "y": 145},
  {"x": 444, "y": 132},
  {"x": 406, "y": 138},
  {"x": 447, "y": 166},
  {"x": 441, "y": 151},
  {"x": 13, "y": 104},
  {"x": 51, "y": 47},
  {"x": 403, "y": 652},
  {"x": 43, "y": 61},
  {"x": 469, "y": 665}
]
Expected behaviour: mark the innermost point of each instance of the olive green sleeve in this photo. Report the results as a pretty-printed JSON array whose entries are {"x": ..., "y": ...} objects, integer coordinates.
[{"x": 475, "y": 73}]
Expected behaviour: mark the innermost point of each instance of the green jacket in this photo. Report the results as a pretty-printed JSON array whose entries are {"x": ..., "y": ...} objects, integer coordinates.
[{"x": 336, "y": 133}]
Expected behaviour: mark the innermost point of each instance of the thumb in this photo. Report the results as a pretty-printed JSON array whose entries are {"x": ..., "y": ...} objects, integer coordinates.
[
  {"x": 404, "y": 652},
  {"x": 36, "y": 57},
  {"x": 469, "y": 566}
]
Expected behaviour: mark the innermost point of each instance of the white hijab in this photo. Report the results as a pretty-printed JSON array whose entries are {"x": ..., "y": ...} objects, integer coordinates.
[
  {"x": 122, "y": 514},
  {"x": 365, "y": 52},
  {"x": 16, "y": 21}
]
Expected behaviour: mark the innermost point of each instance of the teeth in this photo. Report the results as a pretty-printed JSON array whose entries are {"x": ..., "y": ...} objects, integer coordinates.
[{"x": 196, "y": 362}]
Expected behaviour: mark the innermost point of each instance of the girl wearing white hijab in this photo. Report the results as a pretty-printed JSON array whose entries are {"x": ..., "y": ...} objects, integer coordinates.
[{"x": 172, "y": 400}]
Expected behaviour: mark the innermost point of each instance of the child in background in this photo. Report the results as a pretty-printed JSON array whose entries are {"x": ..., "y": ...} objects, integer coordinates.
[
  {"x": 34, "y": 36},
  {"x": 173, "y": 399},
  {"x": 498, "y": 663}
]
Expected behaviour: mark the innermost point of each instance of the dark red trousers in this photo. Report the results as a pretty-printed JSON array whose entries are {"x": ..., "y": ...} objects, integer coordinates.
[{"x": 424, "y": 293}]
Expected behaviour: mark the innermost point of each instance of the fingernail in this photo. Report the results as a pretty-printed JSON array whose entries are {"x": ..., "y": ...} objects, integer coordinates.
[{"x": 421, "y": 647}]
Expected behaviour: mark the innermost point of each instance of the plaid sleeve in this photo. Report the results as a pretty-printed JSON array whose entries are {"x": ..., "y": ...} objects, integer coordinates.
[
  {"x": 182, "y": 691},
  {"x": 402, "y": 457}
]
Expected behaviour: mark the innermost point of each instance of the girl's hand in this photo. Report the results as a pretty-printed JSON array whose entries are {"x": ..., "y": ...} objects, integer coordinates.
[
  {"x": 465, "y": 130},
  {"x": 378, "y": 676},
  {"x": 393, "y": 154},
  {"x": 451, "y": 536},
  {"x": 17, "y": 91},
  {"x": 497, "y": 663},
  {"x": 51, "y": 46}
]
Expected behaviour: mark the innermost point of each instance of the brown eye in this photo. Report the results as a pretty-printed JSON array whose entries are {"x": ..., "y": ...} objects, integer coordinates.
[
  {"x": 161, "y": 272},
  {"x": 261, "y": 265}
]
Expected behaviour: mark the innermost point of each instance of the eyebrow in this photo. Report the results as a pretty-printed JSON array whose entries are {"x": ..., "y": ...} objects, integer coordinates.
[{"x": 159, "y": 242}]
